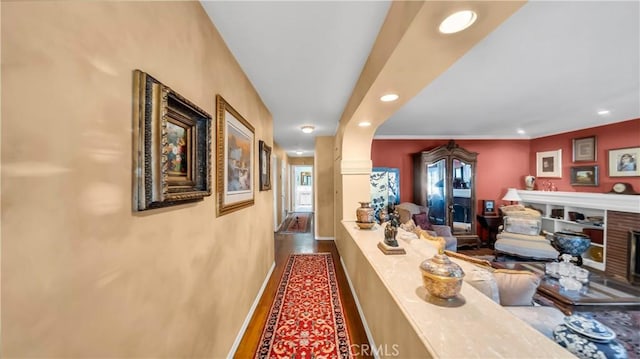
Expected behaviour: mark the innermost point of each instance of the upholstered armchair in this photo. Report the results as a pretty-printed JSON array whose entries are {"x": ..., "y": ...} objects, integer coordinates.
[{"x": 521, "y": 234}]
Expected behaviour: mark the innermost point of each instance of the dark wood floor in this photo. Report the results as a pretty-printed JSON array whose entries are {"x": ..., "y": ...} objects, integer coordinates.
[{"x": 286, "y": 244}]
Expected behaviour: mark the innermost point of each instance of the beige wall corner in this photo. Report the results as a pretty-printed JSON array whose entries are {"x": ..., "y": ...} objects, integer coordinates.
[
  {"x": 324, "y": 189},
  {"x": 83, "y": 275}
]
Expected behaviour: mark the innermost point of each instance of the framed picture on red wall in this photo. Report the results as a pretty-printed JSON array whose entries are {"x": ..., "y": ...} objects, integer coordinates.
[
  {"x": 584, "y": 149},
  {"x": 549, "y": 164},
  {"x": 623, "y": 162}
]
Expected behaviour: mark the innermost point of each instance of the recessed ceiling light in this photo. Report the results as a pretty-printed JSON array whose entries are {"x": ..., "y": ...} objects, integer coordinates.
[
  {"x": 364, "y": 124},
  {"x": 389, "y": 97},
  {"x": 457, "y": 21},
  {"x": 521, "y": 131},
  {"x": 603, "y": 112},
  {"x": 299, "y": 152},
  {"x": 307, "y": 129}
]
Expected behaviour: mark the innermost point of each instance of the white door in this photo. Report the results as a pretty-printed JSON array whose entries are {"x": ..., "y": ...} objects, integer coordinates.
[{"x": 303, "y": 189}]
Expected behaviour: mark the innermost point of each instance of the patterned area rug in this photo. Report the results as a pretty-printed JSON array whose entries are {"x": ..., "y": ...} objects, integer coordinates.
[
  {"x": 306, "y": 319},
  {"x": 296, "y": 222}
]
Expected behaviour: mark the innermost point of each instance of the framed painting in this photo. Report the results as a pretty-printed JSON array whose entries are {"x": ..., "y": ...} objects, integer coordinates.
[
  {"x": 235, "y": 159},
  {"x": 623, "y": 162},
  {"x": 584, "y": 176},
  {"x": 549, "y": 164},
  {"x": 171, "y": 146},
  {"x": 265, "y": 166},
  {"x": 584, "y": 149}
]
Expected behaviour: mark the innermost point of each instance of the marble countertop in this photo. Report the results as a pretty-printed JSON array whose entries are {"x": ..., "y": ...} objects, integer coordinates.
[{"x": 472, "y": 326}]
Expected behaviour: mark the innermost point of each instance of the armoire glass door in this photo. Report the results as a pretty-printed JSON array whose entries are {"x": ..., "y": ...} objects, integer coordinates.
[{"x": 444, "y": 181}]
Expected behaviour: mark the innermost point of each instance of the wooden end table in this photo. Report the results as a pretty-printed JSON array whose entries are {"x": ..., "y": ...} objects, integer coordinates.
[{"x": 467, "y": 240}]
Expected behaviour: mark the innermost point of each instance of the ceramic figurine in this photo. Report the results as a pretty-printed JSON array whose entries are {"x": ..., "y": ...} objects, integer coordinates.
[{"x": 529, "y": 182}]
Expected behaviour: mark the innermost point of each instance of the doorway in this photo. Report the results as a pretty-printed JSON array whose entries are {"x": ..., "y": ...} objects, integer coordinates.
[{"x": 303, "y": 189}]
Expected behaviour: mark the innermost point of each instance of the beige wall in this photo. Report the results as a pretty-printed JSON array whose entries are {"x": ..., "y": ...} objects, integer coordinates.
[
  {"x": 82, "y": 275},
  {"x": 323, "y": 164}
]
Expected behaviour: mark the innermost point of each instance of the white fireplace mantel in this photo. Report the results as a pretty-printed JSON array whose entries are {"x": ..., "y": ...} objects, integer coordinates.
[{"x": 604, "y": 201}]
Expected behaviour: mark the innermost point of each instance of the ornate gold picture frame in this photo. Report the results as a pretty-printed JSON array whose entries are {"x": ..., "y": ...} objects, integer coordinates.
[
  {"x": 235, "y": 159},
  {"x": 171, "y": 146}
]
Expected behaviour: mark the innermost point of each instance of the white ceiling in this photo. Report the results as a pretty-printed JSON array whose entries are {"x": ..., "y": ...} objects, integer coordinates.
[{"x": 548, "y": 69}]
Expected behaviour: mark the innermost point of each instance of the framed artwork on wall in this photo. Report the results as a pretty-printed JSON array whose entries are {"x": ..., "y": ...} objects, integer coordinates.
[
  {"x": 171, "y": 144},
  {"x": 623, "y": 162},
  {"x": 235, "y": 159},
  {"x": 265, "y": 166},
  {"x": 584, "y": 149},
  {"x": 549, "y": 164},
  {"x": 584, "y": 176}
]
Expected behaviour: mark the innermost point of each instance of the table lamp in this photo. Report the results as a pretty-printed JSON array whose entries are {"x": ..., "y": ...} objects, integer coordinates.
[{"x": 512, "y": 196}]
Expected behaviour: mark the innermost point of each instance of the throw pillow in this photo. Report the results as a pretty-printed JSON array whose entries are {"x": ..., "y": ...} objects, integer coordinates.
[
  {"x": 422, "y": 221},
  {"x": 528, "y": 226},
  {"x": 478, "y": 273},
  {"x": 443, "y": 231},
  {"x": 405, "y": 215},
  {"x": 408, "y": 226},
  {"x": 483, "y": 280},
  {"x": 516, "y": 287}
]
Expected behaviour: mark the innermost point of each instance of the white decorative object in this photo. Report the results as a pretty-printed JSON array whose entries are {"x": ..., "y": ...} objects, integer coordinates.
[
  {"x": 512, "y": 195},
  {"x": 529, "y": 182}
]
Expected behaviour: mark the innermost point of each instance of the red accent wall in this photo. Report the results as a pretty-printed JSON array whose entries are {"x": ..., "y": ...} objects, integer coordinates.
[
  {"x": 613, "y": 136},
  {"x": 501, "y": 163},
  {"x": 505, "y": 163}
]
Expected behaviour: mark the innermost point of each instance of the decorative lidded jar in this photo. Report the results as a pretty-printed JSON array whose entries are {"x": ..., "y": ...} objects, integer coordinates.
[
  {"x": 365, "y": 214},
  {"x": 529, "y": 182},
  {"x": 441, "y": 277}
]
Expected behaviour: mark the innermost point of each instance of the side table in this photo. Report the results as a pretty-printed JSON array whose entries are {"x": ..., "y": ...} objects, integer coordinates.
[
  {"x": 468, "y": 240},
  {"x": 490, "y": 224}
]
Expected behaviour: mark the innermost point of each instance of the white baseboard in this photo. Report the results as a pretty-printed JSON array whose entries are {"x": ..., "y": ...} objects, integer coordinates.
[
  {"x": 372, "y": 343},
  {"x": 325, "y": 238},
  {"x": 244, "y": 326}
]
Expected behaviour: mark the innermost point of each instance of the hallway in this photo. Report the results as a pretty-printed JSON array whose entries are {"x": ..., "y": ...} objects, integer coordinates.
[{"x": 290, "y": 243}]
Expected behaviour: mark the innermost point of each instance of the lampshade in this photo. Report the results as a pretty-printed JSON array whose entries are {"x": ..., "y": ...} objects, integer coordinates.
[{"x": 512, "y": 195}]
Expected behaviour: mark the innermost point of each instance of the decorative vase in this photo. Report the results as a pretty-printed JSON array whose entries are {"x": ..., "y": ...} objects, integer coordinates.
[
  {"x": 529, "y": 181},
  {"x": 441, "y": 277},
  {"x": 365, "y": 213}
]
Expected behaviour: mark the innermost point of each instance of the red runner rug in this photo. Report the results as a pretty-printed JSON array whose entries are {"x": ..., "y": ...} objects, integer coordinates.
[
  {"x": 306, "y": 319},
  {"x": 296, "y": 223}
]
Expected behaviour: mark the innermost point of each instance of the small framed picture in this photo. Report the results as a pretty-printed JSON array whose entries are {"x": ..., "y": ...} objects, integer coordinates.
[
  {"x": 623, "y": 162},
  {"x": 489, "y": 208},
  {"x": 549, "y": 164},
  {"x": 584, "y": 176},
  {"x": 265, "y": 166},
  {"x": 584, "y": 149}
]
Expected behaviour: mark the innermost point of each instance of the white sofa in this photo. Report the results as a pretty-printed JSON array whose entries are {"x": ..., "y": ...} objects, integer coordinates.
[{"x": 521, "y": 235}]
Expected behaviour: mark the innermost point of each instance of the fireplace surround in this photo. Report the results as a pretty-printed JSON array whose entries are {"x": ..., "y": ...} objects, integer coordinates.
[{"x": 622, "y": 215}]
